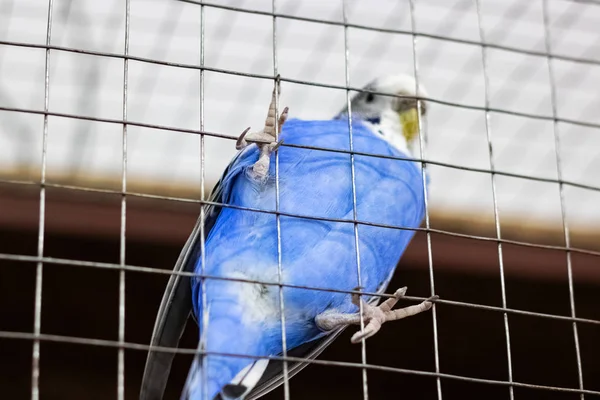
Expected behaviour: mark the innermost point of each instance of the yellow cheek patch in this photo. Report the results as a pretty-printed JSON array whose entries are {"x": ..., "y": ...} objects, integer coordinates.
[{"x": 410, "y": 124}]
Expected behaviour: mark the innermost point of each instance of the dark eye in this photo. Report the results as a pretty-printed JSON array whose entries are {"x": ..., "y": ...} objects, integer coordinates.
[{"x": 370, "y": 97}]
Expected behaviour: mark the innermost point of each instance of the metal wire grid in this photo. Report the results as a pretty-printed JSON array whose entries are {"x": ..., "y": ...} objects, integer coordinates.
[
  {"x": 511, "y": 112},
  {"x": 561, "y": 192},
  {"x": 202, "y": 341},
  {"x": 35, "y": 363},
  {"x": 426, "y": 201},
  {"x": 121, "y": 360},
  {"x": 36, "y": 336},
  {"x": 286, "y": 383},
  {"x": 494, "y": 196}
]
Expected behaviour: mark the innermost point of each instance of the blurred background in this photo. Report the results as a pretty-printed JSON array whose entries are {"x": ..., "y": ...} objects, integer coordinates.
[{"x": 164, "y": 177}]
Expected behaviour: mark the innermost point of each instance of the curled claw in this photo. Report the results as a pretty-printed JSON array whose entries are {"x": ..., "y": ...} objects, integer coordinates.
[
  {"x": 276, "y": 146},
  {"x": 356, "y": 296},
  {"x": 370, "y": 329},
  {"x": 432, "y": 299},
  {"x": 240, "y": 143},
  {"x": 283, "y": 117}
]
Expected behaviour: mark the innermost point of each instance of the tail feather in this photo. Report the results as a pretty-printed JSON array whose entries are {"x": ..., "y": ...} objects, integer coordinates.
[{"x": 219, "y": 373}]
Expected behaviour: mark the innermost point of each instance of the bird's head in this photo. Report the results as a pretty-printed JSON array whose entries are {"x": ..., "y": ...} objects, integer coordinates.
[{"x": 396, "y": 118}]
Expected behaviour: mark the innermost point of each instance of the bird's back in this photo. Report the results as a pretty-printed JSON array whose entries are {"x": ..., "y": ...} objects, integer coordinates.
[{"x": 316, "y": 252}]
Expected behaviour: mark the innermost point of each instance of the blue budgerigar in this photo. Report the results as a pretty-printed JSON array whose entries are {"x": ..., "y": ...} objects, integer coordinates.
[{"x": 305, "y": 250}]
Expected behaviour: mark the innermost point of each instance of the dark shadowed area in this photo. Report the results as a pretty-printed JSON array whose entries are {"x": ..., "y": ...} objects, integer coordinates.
[{"x": 82, "y": 302}]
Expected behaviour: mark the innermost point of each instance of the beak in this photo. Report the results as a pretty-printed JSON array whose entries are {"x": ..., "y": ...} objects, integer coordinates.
[{"x": 409, "y": 119}]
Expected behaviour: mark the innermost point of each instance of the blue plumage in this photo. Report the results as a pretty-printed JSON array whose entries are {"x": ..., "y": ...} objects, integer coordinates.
[{"x": 244, "y": 317}]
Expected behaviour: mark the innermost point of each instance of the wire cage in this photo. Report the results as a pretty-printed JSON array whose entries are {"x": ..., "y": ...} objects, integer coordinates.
[{"x": 117, "y": 117}]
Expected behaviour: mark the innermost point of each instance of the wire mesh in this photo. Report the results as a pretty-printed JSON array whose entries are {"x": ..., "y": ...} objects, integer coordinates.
[
  {"x": 277, "y": 82},
  {"x": 122, "y": 249},
  {"x": 425, "y": 192},
  {"x": 35, "y": 368},
  {"x": 483, "y": 49},
  {"x": 561, "y": 192},
  {"x": 202, "y": 341},
  {"x": 495, "y": 200},
  {"x": 363, "y": 344}
]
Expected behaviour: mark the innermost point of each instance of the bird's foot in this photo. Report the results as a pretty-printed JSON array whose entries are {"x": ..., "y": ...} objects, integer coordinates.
[
  {"x": 262, "y": 139},
  {"x": 373, "y": 316},
  {"x": 266, "y": 140}
]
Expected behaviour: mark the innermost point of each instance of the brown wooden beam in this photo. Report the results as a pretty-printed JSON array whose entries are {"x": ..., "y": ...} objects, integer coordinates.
[{"x": 170, "y": 222}]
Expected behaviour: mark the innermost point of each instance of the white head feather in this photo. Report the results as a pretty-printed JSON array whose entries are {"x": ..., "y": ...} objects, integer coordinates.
[{"x": 382, "y": 113}]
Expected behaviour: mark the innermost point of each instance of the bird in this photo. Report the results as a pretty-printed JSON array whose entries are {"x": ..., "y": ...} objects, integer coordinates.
[{"x": 302, "y": 235}]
